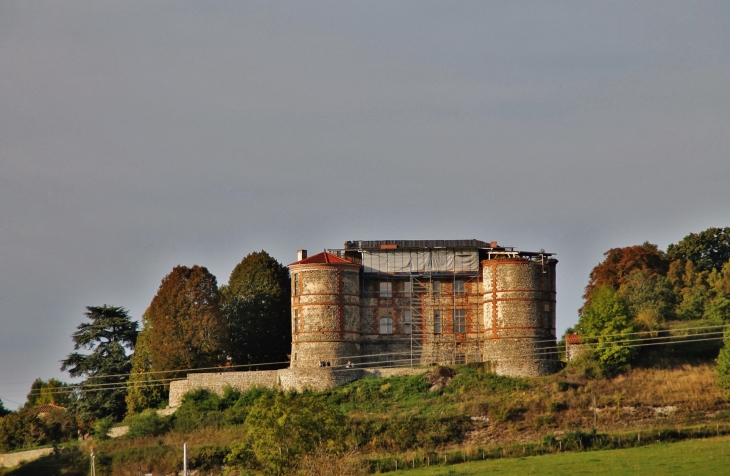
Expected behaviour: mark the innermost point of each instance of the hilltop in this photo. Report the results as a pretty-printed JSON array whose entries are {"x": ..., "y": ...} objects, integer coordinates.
[{"x": 363, "y": 426}]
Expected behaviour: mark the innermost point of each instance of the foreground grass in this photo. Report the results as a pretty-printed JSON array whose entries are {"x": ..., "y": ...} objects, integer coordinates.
[{"x": 696, "y": 457}]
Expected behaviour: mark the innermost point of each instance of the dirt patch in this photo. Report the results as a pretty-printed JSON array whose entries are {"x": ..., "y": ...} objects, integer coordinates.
[{"x": 440, "y": 377}]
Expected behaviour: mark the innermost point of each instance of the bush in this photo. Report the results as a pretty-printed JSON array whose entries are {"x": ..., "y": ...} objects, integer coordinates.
[
  {"x": 101, "y": 428},
  {"x": 723, "y": 365},
  {"x": 148, "y": 423},
  {"x": 208, "y": 457},
  {"x": 202, "y": 409}
]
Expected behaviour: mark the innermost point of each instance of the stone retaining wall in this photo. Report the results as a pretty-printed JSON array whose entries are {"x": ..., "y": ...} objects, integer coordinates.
[
  {"x": 218, "y": 381},
  {"x": 299, "y": 379},
  {"x": 9, "y": 460}
]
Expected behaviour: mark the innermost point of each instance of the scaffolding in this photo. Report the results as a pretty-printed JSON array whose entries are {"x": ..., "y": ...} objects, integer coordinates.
[{"x": 419, "y": 270}]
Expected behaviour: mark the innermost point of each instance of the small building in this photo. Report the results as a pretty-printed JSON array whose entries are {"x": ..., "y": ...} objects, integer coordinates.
[{"x": 574, "y": 347}]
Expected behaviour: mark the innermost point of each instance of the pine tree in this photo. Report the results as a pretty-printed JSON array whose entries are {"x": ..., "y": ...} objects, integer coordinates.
[{"x": 106, "y": 368}]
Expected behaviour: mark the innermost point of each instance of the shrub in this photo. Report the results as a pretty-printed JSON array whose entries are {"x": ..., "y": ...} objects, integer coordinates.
[
  {"x": 101, "y": 428},
  {"x": 208, "y": 457},
  {"x": 148, "y": 423}
]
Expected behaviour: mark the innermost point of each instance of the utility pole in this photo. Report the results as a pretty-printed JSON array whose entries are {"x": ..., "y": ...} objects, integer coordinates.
[{"x": 185, "y": 459}]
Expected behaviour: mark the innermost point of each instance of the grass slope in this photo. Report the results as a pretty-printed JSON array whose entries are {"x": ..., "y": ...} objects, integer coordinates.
[{"x": 696, "y": 457}]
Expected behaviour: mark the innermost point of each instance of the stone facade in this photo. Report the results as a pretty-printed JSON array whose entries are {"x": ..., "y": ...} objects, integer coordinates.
[{"x": 498, "y": 306}]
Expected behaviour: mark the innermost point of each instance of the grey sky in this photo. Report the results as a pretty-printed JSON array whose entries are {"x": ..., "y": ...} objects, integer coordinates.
[{"x": 135, "y": 136}]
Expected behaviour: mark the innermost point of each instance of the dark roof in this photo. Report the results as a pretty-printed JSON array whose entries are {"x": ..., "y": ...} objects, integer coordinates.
[
  {"x": 376, "y": 244},
  {"x": 322, "y": 258},
  {"x": 47, "y": 408}
]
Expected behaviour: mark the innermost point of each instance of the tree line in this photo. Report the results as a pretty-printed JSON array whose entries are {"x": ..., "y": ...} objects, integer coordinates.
[
  {"x": 191, "y": 323},
  {"x": 642, "y": 288}
]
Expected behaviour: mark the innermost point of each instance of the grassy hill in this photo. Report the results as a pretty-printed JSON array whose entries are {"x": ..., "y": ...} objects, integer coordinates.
[{"x": 445, "y": 414}]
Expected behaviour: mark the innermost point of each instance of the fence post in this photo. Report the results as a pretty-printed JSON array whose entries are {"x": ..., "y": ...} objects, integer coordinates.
[{"x": 185, "y": 459}]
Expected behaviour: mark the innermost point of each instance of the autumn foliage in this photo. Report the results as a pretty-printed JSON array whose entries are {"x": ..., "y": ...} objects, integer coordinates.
[
  {"x": 186, "y": 323},
  {"x": 620, "y": 262}
]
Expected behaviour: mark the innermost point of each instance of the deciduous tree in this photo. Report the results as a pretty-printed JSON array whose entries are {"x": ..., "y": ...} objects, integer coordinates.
[
  {"x": 53, "y": 391},
  {"x": 187, "y": 327},
  {"x": 257, "y": 306},
  {"x": 109, "y": 334},
  {"x": 648, "y": 296},
  {"x": 615, "y": 269},
  {"x": 282, "y": 427},
  {"x": 723, "y": 365},
  {"x": 709, "y": 249},
  {"x": 606, "y": 324},
  {"x": 145, "y": 388}
]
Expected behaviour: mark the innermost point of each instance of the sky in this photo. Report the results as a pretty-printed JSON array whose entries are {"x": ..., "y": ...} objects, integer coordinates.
[{"x": 137, "y": 135}]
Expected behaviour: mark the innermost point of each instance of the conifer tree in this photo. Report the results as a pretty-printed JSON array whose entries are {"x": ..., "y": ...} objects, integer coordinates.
[{"x": 109, "y": 334}]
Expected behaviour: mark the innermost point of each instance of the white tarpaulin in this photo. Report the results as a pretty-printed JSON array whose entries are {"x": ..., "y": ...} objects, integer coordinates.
[{"x": 420, "y": 261}]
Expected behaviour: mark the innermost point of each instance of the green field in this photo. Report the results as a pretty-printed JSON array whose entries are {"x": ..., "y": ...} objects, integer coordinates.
[{"x": 696, "y": 457}]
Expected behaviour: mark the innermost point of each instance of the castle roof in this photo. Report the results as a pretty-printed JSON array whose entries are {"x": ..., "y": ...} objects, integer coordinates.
[{"x": 322, "y": 258}]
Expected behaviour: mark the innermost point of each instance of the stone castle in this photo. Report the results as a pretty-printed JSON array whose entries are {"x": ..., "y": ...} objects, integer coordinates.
[{"x": 388, "y": 307}]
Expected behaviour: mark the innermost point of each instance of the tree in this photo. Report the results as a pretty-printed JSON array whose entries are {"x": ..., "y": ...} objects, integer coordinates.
[
  {"x": 283, "y": 427},
  {"x": 3, "y": 411},
  {"x": 26, "y": 428},
  {"x": 53, "y": 391},
  {"x": 709, "y": 249},
  {"x": 144, "y": 387},
  {"x": 692, "y": 289},
  {"x": 106, "y": 368},
  {"x": 615, "y": 269},
  {"x": 718, "y": 309},
  {"x": 651, "y": 300},
  {"x": 723, "y": 364},
  {"x": 257, "y": 306},
  {"x": 187, "y": 327},
  {"x": 605, "y": 323}
]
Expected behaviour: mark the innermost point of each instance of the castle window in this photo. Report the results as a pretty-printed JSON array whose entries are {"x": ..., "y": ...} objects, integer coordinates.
[
  {"x": 459, "y": 359},
  {"x": 386, "y": 290},
  {"x": 407, "y": 321},
  {"x": 386, "y": 325},
  {"x": 437, "y": 322},
  {"x": 459, "y": 287},
  {"x": 407, "y": 289},
  {"x": 296, "y": 284},
  {"x": 459, "y": 320},
  {"x": 436, "y": 288},
  {"x": 296, "y": 320}
]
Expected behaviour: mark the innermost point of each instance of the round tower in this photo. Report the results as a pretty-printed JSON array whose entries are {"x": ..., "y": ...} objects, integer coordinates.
[
  {"x": 519, "y": 314},
  {"x": 325, "y": 311}
]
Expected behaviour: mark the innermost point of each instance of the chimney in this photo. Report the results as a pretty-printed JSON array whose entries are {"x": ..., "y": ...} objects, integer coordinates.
[
  {"x": 301, "y": 254},
  {"x": 493, "y": 244}
]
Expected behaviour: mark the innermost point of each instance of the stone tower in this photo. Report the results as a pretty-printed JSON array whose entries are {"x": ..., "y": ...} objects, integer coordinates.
[
  {"x": 519, "y": 314},
  {"x": 325, "y": 310}
]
